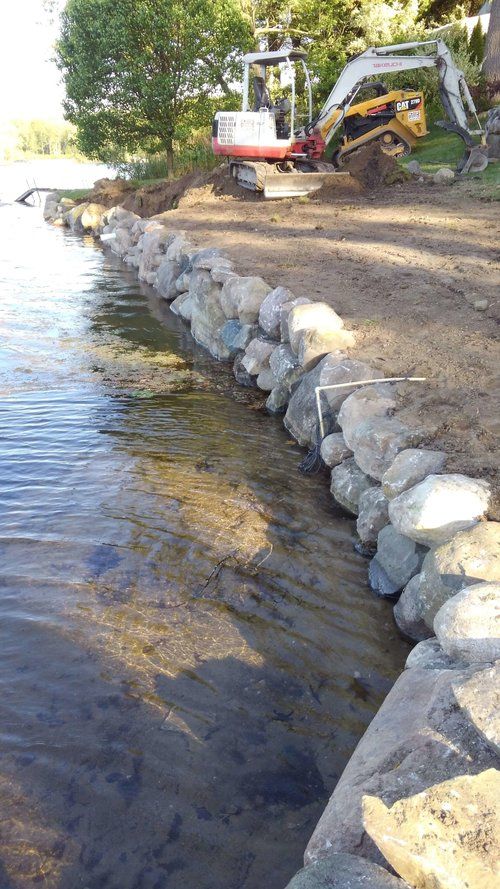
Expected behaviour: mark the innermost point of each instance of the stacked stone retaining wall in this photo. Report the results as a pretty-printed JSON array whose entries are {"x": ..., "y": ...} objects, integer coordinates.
[{"x": 418, "y": 795}]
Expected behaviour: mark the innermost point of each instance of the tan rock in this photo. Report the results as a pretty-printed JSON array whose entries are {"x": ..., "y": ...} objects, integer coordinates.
[{"x": 447, "y": 837}]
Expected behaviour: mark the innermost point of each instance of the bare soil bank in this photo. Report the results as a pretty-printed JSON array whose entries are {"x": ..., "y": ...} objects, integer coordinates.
[{"x": 403, "y": 265}]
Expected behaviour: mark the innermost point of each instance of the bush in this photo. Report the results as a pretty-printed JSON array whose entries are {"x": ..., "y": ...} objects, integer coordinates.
[{"x": 196, "y": 154}]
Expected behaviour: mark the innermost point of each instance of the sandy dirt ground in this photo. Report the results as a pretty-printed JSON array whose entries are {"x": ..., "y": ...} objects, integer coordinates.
[{"x": 403, "y": 265}]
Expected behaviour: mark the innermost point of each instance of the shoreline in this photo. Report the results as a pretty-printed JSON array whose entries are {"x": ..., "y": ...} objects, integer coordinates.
[{"x": 435, "y": 736}]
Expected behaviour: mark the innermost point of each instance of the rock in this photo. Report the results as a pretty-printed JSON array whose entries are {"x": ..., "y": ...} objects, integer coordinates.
[
  {"x": 152, "y": 245},
  {"x": 122, "y": 242},
  {"x": 334, "y": 449},
  {"x": 400, "y": 557},
  {"x": 286, "y": 308},
  {"x": 285, "y": 366},
  {"x": 247, "y": 333},
  {"x": 301, "y": 418},
  {"x": 414, "y": 168},
  {"x": 182, "y": 282},
  {"x": 241, "y": 374},
  {"x": 257, "y": 356},
  {"x": 345, "y": 871},
  {"x": 92, "y": 217},
  {"x": 418, "y": 738},
  {"x": 207, "y": 317},
  {"x": 408, "y": 612},
  {"x": 365, "y": 402},
  {"x": 445, "y": 837},
  {"x": 469, "y": 557},
  {"x": 166, "y": 279},
  {"x": 380, "y": 582},
  {"x": 346, "y": 370},
  {"x": 313, "y": 344},
  {"x": 221, "y": 274},
  {"x": 479, "y": 698},
  {"x": 177, "y": 249},
  {"x": 468, "y": 624},
  {"x": 229, "y": 332},
  {"x": 185, "y": 307},
  {"x": 481, "y": 305},
  {"x": 278, "y": 399},
  {"x": 376, "y": 441},
  {"x": 410, "y": 467},
  {"x": 73, "y": 217},
  {"x": 210, "y": 258},
  {"x": 428, "y": 655},
  {"x": 178, "y": 302},
  {"x": 318, "y": 316},
  {"x": 242, "y": 298},
  {"x": 348, "y": 484},
  {"x": 434, "y": 510},
  {"x": 266, "y": 380},
  {"x": 372, "y": 516},
  {"x": 444, "y": 176},
  {"x": 270, "y": 310}
]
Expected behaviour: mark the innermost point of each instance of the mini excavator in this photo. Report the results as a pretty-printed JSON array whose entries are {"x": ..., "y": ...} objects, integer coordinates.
[{"x": 271, "y": 150}]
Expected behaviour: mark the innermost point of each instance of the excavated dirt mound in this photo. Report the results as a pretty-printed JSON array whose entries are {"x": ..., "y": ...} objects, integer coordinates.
[
  {"x": 372, "y": 168},
  {"x": 110, "y": 192}
]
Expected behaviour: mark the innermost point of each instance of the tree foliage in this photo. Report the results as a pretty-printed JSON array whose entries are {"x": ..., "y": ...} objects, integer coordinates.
[{"x": 139, "y": 73}]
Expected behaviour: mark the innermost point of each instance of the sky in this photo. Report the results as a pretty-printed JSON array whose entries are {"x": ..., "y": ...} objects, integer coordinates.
[{"x": 29, "y": 81}]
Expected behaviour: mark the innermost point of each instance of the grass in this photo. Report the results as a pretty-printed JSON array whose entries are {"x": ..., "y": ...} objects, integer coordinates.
[
  {"x": 442, "y": 149},
  {"x": 75, "y": 194}
]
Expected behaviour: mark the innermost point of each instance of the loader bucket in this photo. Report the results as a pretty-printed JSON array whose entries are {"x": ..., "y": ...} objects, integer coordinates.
[
  {"x": 295, "y": 184},
  {"x": 475, "y": 156}
]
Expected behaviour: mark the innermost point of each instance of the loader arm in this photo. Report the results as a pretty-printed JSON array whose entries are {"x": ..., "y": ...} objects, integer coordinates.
[{"x": 386, "y": 60}]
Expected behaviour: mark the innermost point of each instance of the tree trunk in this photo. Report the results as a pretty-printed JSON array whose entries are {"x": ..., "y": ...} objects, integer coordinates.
[
  {"x": 169, "y": 149},
  {"x": 491, "y": 66}
]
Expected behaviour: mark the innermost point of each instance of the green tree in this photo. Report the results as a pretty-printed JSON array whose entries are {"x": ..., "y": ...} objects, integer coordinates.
[
  {"x": 141, "y": 73},
  {"x": 476, "y": 43}
]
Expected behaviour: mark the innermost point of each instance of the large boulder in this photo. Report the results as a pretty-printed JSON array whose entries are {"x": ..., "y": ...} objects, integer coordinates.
[
  {"x": 348, "y": 483},
  {"x": 365, "y": 402},
  {"x": 410, "y": 467},
  {"x": 301, "y": 418},
  {"x": 468, "y": 625},
  {"x": 257, "y": 354},
  {"x": 209, "y": 258},
  {"x": 428, "y": 655},
  {"x": 166, "y": 279},
  {"x": 334, "y": 449},
  {"x": 470, "y": 556},
  {"x": 73, "y": 217},
  {"x": 408, "y": 612},
  {"x": 400, "y": 557},
  {"x": 178, "y": 302},
  {"x": 242, "y": 298},
  {"x": 376, "y": 442},
  {"x": 266, "y": 380},
  {"x": 285, "y": 366},
  {"x": 479, "y": 698},
  {"x": 286, "y": 308},
  {"x": 178, "y": 250},
  {"x": 122, "y": 241},
  {"x": 270, "y": 310},
  {"x": 345, "y": 872},
  {"x": 314, "y": 343},
  {"x": 445, "y": 837},
  {"x": 418, "y": 738},
  {"x": 91, "y": 219},
  {"x": 349, "y": 370},
  {"x": 311, "y": 316},
  {"x": 435, "y": 509},
  {"x": 278, "y": 399},
  {"x": 207, "y": 317},
  {"x": 153, "y": 247},
  {"x": 372, "y": 516}
]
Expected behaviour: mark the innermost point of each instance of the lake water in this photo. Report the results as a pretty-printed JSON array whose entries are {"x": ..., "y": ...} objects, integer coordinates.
[
  {"x": 15, "y": 178},
  {"x": 189, "y": 651}
]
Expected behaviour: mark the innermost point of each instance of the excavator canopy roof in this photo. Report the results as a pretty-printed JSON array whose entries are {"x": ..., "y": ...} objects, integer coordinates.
[{"x": 274, "y": 58}]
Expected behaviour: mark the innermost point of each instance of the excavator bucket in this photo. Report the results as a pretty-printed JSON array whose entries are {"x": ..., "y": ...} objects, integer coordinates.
[
  {"x": 475, "y": 157},
  {"x": 266, "y": 178}
]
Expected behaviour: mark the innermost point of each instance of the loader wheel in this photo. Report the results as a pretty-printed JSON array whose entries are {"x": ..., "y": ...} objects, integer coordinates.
[{"x": 393, "y": 145}]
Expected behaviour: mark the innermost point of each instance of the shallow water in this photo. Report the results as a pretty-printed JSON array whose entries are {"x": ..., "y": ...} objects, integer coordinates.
[{"x": 188, "y": 652}]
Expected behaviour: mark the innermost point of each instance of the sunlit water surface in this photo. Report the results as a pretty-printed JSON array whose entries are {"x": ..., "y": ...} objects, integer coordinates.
[{"x": 188, "y": 651}]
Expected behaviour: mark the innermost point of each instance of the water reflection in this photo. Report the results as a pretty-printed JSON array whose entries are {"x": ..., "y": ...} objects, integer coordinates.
[{"x": 182, "y": 616}]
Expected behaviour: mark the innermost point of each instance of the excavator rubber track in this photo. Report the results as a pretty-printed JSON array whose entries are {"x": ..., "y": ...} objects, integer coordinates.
[{"x": 263, "y": 177}]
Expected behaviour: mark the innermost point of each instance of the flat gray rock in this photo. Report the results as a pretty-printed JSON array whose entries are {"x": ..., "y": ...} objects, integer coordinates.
[
  {"x": 400, "y": 557},
  {"x": 410, "y": 467},
  {"x": 344, "y": 871},
  {"x": 365, "y": 402},
  {"x": 348, "y": 483},
  {"x": 373, "y": 515},
  {"x": 428, "y": 655},
  {"x": 409, "y": 614}
]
